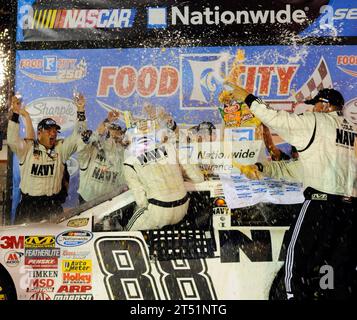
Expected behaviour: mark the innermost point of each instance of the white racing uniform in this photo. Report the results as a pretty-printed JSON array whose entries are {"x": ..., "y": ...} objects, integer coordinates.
[
  {"x": 41, "y": 172},
  {"x": 323, "y": 233},
  {"x": 101, "y": 168},
  {"x": 157, "y": 180},
  {"x": 328, "y": 163}
]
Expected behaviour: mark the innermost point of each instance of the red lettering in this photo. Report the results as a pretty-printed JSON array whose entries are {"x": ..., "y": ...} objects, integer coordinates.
[
  {"x": 169, "y": 80},
  {"x": 125, "y": 81},
  {"x": 73, "y": 288},
  {"x": 251, "y": 76},
  {"x": 349, "y": 60},
  {"x": 11, "y": 242},
  {"x": 106, "y": 81},
  {"x": 285, "y": 76},
  {"x": 147, "y": 81},
  {"x": 265, "y": 80}
]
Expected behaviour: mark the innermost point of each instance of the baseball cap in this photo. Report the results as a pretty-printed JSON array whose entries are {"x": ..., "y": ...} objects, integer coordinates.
[
  {"x": 47, "y": 123},
  {"x": 327, "y": 95}
]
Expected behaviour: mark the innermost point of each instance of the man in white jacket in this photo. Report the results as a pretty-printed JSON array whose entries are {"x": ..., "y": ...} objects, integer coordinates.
[
  {"x": 321, "y": 238},
  {"x": 42, "y": 163},
  {"x": 156, "y": 177}
]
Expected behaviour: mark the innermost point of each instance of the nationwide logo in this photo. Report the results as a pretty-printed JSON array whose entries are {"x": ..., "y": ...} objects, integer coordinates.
[
  {"x": 157, "y": 17},
  {"x": 75, "y": 18},
  {"x": 345, "y": 60},
  {"x": 13, "y": 258},
  {"x": 74, "y": 238},
  {"x": 51, "y": 69},
  {"x": 60, "y": 109}
]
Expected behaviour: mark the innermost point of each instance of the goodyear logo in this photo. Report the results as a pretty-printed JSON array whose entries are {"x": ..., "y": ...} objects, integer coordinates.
[
  {"x": 39, "y": 241},
  {"x": 78, "y": 266}
]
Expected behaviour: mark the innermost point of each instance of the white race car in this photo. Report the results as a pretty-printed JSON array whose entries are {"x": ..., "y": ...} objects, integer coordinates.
[{"x": 213, "y": 254}]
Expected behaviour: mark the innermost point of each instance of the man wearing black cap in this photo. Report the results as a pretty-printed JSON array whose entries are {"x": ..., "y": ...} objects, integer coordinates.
[
  {"x": 42, "y": 164},
  {"x": 321, "y": 239}
]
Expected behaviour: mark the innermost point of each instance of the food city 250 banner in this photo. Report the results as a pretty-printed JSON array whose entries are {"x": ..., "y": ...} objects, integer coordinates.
[
  {"x": 184, "y": 81},
  {"x": 180, "y": 21}
]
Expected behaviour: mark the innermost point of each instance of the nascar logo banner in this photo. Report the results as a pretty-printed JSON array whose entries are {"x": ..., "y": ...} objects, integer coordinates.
[{"x": 181, "y": 22}]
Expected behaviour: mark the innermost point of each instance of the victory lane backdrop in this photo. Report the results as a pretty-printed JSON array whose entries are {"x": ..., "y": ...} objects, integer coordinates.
[{"x": 185, "y": 81}]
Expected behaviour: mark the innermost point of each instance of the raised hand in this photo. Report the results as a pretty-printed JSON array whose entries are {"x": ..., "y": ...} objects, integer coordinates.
[
  {"x": 80, "y": 102},
  {"x": 113, "y": 115},
  {"x": 16, "y": 104}
]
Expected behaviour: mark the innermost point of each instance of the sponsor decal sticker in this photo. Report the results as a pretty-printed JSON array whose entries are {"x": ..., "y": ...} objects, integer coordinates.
[
  {"x": 75, "y": 254},
  {"x": 36, "y": 253},
  {"x": 74, "y": 289},
  {"x": 73, "y": 297},
  {"x": 12, "y": 242},
  {"x": 39, "y": 242},
  {"x": 13, "y": 258},
  {"x": 37, "y": 285},
  {"x": 40, "y": 296},
  {"x": 42, "y": 274},
  {"x": 42, "y": 263},
  {"x": 77, "y": 278},
  {"x": 76, "y": 223},
  {"x": 77, "y": 266},
  {"x": 74, "y": 238}
]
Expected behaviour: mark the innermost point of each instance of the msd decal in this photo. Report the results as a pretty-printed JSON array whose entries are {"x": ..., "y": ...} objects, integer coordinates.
[
  {"x": 75, "y": 18},
  {"x": 146, "y": 82},
  {"x": 51, "y": 69}
]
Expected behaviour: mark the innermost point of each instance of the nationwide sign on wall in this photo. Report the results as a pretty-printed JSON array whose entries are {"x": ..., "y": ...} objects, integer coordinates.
[{"x": 176, "y": 22}]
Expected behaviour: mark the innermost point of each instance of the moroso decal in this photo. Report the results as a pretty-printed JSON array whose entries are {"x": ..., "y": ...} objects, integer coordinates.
[
  {"x": 74, "y": 238},
  {"x": 73, "y": 297},
  {"x": 13, "y": 258}
]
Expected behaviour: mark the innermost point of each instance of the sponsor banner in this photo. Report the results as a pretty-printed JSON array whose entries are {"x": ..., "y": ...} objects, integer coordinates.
[
  {"x": 13, "y": 258},
  {"x": 219, "y": 156},
  {"x": 180, "y": 22},
  {"x": 42, "y": 263},
  {"x": 74, "y": 238},
  {"x": 39, "y": 241},
  {"x": 42, "y": 253},
  {"x": 77, "y": 266}
]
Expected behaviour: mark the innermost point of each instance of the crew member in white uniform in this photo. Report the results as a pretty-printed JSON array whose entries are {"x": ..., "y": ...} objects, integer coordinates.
[
  {"x": 101, "y": 161},
  {"x": 156, "y": 177},
  {"x": 41, "y": 165},
  {"x": 322, "y": 237}
]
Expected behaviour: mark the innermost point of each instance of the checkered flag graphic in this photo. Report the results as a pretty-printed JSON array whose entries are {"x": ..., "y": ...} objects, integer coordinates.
[{"x": 320, "y": 79}]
